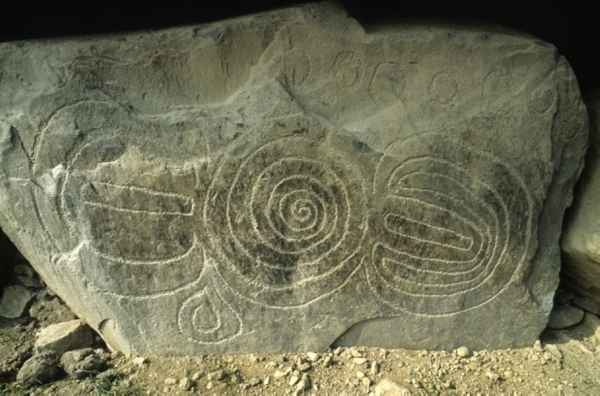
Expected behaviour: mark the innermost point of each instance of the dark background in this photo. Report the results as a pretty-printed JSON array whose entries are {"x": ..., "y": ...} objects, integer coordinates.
[{"x": 572, "y": 26}]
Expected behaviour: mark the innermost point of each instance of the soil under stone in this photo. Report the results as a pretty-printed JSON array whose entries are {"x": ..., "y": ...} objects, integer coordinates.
[{"x": 565, "y": 362}]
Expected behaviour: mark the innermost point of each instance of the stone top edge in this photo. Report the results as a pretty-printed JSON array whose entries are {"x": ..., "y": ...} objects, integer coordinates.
[{"x": 329, "y": 14}]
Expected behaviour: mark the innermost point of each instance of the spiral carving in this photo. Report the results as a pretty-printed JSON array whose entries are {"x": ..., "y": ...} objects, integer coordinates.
[{"x": 288, "y": 220}]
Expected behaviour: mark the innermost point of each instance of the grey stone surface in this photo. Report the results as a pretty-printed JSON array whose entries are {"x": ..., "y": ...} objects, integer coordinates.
[
  {"x": 83, "y": 363},
  {"x": 26, "y": 276},
  {"x": 47, "y": 310},
  {"x": 292, "y": 180},
  {"x": 16, "y": 347},
  {"x": 14, "y": 301},
  {"x": 581, "y": 240},
  {"x": 565, "y": 316},
  {"x": 39, "y": 369},
  {"x": 587, "y": 304},
  {"x": 63, "y": 337}
]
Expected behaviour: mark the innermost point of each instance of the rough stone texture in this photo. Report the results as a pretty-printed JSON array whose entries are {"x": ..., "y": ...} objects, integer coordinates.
[
  {"x": 16, "y": 346},
  {"x": 39, "y": 369},
  {"x": 63, "y": 337},
  {"x": 581, "y": 240},
  {"x": 47, "y": 309},
  {"x": 14, "y": 301},
  {"x": 83, "y": 363},
  {"x": 587, "y": 304},
  {"x": 26, "y": 276},
  {"x": 291, "y": 180},
  {"x": 565, "y": 316}
]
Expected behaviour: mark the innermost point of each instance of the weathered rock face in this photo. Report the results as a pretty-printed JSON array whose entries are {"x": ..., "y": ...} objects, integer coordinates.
[
  {"x": 288, "y": 181},
  {"x": 581, "y": 241}
]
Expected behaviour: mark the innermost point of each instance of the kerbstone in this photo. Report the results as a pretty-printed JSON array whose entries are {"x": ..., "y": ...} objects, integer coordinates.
[{"x": 293, "y": 180}]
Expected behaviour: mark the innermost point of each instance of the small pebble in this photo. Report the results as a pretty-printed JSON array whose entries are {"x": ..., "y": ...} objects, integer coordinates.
[
  {"x": 359, "y": 361},
  {"x": 185, "y": 384},
  {"x": 492, "y": 376},
  {"x": 282, "y": 373},
  {"x": 170, "y": 381},
  {"x": 303, "y": 385},
  {"x": 304, "y": 367},
  {"x": 463, "y": 352},
  {"x": 312, "y": 356},
  {"x": 294, "y": 379},
  {"x": 254, "y": 381},
  {"x": 218, "y": 375},
  {"x": 374, "y": 370},
  {"x": 197, "y": 375}
]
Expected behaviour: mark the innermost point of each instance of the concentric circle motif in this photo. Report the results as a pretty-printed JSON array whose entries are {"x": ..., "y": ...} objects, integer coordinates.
[
  {"x": 286, "y": 221},
  {"x": 451, "y": 227}
]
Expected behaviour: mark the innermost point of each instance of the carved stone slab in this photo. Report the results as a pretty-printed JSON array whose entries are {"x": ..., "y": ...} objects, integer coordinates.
[{"x": 293, "y": 180}]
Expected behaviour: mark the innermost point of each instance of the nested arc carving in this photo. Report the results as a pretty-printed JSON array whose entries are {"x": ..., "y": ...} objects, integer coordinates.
[
  {"x": 286, "y": 222},
  {"x": 129, "y": 264},
  {"x": 207, "y": 318},
  {"x": 452, "y": 226}
]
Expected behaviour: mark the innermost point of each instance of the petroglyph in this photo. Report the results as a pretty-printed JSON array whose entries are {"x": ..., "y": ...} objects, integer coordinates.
[
  {"x": 286, "y": 221},
  {"x": 154, "y": 248},
  {"x": 293, "y": 180},
  {"x": 205, "y": 318},
  {"x": 348, "y": 68},
  {"x": 387, "y": 83},
  {"x": 296, "y": 67},
  {"x": 542, "y": 100},
  {"x": 457, "y": 234},
  {"x": 443, "y": 88}
]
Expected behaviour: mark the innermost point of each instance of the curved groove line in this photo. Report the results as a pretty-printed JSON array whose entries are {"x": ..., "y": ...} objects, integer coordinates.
[
  {"x": 195, "y": 245},
  {"x": 494, "y": 258},
  {"x": 458, "y": 236},
  {"x": 181, "y": 325}
]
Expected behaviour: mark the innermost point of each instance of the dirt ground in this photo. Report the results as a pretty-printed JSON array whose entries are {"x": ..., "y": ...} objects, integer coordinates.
[{"x": 565, "y": 362}]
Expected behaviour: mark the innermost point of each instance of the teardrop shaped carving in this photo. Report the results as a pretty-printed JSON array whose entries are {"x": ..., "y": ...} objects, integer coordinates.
[{"x": 206, "y": 318}]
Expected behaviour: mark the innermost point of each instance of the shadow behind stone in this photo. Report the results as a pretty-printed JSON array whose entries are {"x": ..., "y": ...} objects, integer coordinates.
[{"x": 8, "y": 254}]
